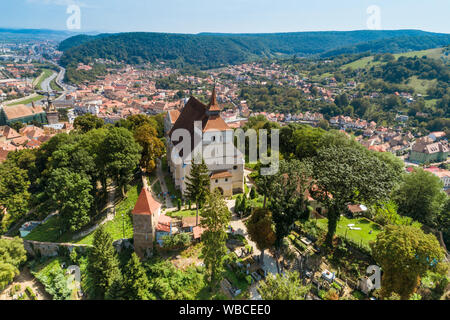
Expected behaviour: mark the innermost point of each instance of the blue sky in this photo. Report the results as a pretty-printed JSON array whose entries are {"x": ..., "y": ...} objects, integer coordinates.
[{"x": 193, "y": 16}]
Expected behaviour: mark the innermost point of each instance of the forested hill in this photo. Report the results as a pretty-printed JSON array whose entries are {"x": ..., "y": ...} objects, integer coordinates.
[{"x": 208, "y": 50}]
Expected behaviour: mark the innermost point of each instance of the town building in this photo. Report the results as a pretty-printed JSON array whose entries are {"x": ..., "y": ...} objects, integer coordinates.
[
  {"x": 425, "y": 150},
  {"x": 21, "y": 113}
]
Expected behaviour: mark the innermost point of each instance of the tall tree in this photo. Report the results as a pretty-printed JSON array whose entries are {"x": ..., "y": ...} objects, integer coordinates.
[
  {"x": 136, "y": 284},
  {"x": 12, "y": 255},
  {"x": 121, "y": 156},
  {"x": 405, "y": 253},
  {"x": 286, "y": 286},
  {"x": 216, "y": 218},
  {"x": 103, "y": 262},
  {"x": 348, "y": 174},
  {"x": 152, "y": 147},
  {"x": 260, "y": 229},
  {"x": 288, "y": 201},
  {"x": 70, "y": 192},
  {"x": 420, "y": 196},
  {"x": 197, "y": 185},
  {"x": 14, "y": 194}
]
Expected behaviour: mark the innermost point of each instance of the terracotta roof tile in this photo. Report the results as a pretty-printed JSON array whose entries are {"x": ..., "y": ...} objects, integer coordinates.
[
  {"x": 21, "y": 110},
  {"x": 221, "y": 175},
  {"x": 145, "y": 204}
]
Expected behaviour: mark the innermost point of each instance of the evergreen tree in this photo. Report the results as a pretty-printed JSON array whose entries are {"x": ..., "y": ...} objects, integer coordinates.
[
  {"x": 136, "y": 284},
  {"x": 216, "y": 218},
  {"x": 252, "y": 193},
  {"x": 197, "y": 184},
  {"x": 103, "y": 262}
]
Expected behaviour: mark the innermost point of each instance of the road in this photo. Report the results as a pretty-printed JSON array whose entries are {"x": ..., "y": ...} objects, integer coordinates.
[{"x": 45, "y": 84}]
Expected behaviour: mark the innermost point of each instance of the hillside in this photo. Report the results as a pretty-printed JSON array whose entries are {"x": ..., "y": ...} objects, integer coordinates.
[
  {"x": 368, "y": 62},
  {"x": 33, "y": 34},
  {"x": 211, "y": 50}
]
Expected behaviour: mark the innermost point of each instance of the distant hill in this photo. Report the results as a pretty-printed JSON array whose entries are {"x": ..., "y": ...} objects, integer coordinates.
[
  {"x": 8, "y": 34},
  {"x": 208, "y": 50}
]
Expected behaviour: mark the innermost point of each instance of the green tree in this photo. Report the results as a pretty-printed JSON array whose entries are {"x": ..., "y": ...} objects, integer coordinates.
[
  {"x": 12, "y": 255},
  {"x": 264, "y": 184},
  {"x": 71, "y": 194},
  {"x": 420, "y": 196},
  {"x": 405, "y": 254},
  {"x": 136, "y": 284},
  {"x": 103, "y": 262},
  {"x": 152, "y": 147},
  {"x": 121, "y": 155},
  {"x": 14, "y": 194},
  {"x": 286, "y": 286},
  {"x": 252, "y": 193},
  {"x": 288, "y": 201},
  {"x": 216, "y": 218},
  {"x": 87, "y": 122},
  {"x": 198, "y": 184},
  {"x": 349, "y": 174},
  {"x": 261, "y": 231}
]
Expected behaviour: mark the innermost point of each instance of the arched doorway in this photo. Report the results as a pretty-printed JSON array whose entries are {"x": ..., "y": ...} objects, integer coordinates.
[{"x": 220, "y": 190}]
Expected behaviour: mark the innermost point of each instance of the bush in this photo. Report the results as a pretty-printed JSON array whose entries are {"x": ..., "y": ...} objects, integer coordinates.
[
  {"x": 177, "y": 241},
  {"x": 30, "y": 293}
]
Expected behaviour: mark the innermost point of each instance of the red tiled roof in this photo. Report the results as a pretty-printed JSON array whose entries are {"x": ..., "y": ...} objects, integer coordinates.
[
  {"x": 174, "y": 114},
  {"x": 9, "y": 133},
  {"x": 198, "y": 231},
  {"x": 3, "y": 155},
  {"x": 221, "y": 174},
  {"x": 214, "y": 123},
  {"x": 189, "y": 222},
  {"x": 21, "y": 111},
  {"x": 145, "y": 204}
]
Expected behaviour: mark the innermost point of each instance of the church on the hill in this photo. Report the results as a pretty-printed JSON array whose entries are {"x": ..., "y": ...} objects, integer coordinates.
[{"x": 226, "y": 168}]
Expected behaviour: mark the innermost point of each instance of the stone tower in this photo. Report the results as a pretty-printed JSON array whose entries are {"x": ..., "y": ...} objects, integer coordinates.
[
  {"x": 52, "y": 113},
  {"x": 145, "y": 217}
]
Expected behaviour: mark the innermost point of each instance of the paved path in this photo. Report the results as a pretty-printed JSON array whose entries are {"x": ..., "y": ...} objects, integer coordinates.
[
  {"x": 239, "y": 227},
  {"x": 110, "y": 208},
  {"x": 160, "y": 175}
]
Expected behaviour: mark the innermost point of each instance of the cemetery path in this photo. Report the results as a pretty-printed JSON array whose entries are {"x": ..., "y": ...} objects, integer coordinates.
[
  {"x": 26, "y": 279},
  {"x": 160, "y": 175}
]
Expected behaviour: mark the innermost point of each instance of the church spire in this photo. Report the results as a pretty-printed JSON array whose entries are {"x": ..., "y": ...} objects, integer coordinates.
[{"x": 213, "y": 106}]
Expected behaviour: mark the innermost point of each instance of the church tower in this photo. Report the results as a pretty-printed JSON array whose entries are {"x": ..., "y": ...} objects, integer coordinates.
[{"x": 51, "y": 112}]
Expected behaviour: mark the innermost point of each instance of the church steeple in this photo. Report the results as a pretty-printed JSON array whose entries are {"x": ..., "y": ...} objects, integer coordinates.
[{"x": 213, "y": 107}]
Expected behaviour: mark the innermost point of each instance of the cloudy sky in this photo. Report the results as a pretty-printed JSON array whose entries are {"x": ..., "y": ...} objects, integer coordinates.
[{"x": 237, "y": 16}]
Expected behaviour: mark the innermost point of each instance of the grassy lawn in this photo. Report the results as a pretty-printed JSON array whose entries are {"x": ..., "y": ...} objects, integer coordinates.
[
  {"x": 157, "y": 188},
  {"x": 368, "y": 62},
  {"x": 44, "y": 75},
  {"x": 152, "y": 178},
  {"x": 119, "y": 223},
  {"x": 47, "y": 232},
  {"x": 420, "y": 85},
  {"x": 362, "y": 63},
  {"x": 171, "y": 187},
  {"x": 27, "y": 101},
  {"x": 183, "y": 213},
  {"x": 362, "y": 236},
  {"x": 55, "y": 86}
]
